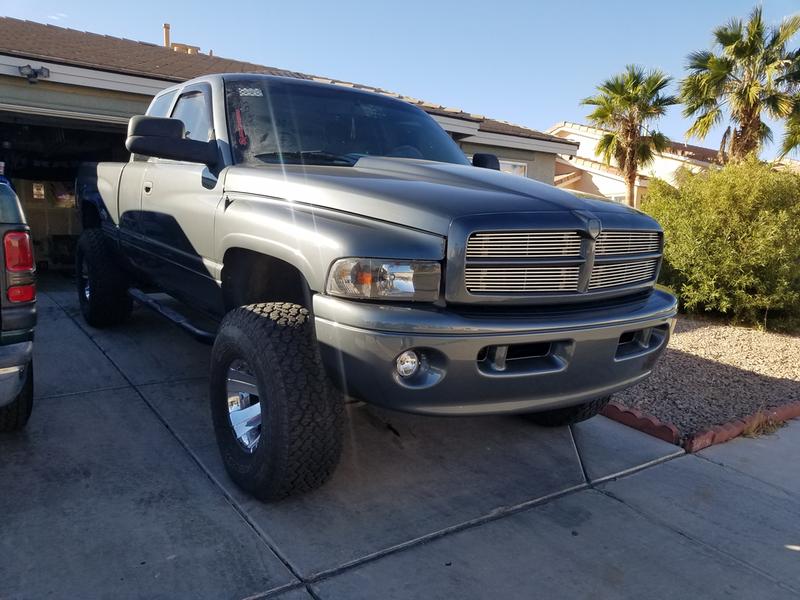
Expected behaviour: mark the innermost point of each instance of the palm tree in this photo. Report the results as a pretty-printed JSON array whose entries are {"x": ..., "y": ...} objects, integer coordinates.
[
  {"x": 751, "y": 73},
  {"x": 626, "y": 105}
]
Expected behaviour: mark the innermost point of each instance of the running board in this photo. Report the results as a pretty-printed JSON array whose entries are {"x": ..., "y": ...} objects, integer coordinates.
[{"x": 201, "y": 335}]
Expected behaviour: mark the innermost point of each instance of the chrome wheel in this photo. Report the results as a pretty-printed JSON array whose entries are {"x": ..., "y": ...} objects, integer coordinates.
[
  {"x": 87, "y": 291},
  {"x": 244, "y": 404}
]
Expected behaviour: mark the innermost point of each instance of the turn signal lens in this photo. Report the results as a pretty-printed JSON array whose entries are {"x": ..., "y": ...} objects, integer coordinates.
[
  {"x": 19, "y": 251},
  {"x": 22, "y": 293}
]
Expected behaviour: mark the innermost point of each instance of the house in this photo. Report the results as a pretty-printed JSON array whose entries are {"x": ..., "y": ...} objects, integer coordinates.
[
  {"x": 66, "y": 97},
  {"x": 586, "y": 171}
]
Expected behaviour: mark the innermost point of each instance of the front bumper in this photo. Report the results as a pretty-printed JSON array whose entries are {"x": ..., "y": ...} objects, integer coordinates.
[
  {"x": 553, "y": 359},
  {"x": 15, "y": 360}
]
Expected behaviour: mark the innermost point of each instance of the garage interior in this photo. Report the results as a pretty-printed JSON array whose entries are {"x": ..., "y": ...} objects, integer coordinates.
[{"x": 41, "y": 156}]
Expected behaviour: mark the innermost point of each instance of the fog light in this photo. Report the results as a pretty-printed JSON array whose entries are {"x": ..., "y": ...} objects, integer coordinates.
[{"x": 407, "y": 363}]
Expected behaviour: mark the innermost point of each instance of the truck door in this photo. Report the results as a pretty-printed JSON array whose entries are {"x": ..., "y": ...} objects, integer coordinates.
[
  {"x": 178, "y": 203},
  {"x": 131, "y": 184}
]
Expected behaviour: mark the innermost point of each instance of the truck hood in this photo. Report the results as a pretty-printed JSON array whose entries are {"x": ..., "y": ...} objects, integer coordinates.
[{"x": 421, "y": 194}]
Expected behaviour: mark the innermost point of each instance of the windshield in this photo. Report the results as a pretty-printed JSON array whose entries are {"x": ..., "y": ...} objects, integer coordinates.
[{"x": 273, "y": 121}]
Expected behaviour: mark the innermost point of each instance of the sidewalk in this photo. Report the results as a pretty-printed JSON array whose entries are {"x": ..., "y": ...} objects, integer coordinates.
[{"x": 117, "y": 490}]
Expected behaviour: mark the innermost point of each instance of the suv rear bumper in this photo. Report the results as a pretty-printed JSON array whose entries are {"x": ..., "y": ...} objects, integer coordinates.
[
  {"x": 555, "y": 359},
  {"x": 15, "y": 360}
]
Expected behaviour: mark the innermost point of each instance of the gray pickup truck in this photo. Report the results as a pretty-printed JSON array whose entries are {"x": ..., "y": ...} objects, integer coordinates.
[{"x": 345, "y": 246}]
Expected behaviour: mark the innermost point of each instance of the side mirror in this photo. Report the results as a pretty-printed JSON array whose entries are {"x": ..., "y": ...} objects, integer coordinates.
[
  {"x": 164, "y": 138},
  {"x": 486, "y": 161}
]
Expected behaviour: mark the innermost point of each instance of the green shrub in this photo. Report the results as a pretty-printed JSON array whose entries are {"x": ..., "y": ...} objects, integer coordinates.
[{"x": 732, "y": 240}]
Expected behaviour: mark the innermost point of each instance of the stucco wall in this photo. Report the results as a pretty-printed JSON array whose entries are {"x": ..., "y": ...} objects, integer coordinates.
[{"x": 541, "y": 165}]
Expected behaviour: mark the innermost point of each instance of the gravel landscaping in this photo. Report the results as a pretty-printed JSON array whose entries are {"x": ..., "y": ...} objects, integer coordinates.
[{"x": 714, "y": 373}]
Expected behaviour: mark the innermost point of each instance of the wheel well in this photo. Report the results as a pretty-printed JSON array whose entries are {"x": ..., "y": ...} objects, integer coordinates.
[
  {"x": 249, "y": 277},
  {"x": 90, "y": 216}
]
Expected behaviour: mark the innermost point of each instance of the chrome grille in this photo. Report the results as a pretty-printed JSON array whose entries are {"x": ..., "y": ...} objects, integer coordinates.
[
  {"x": 523, "y": 244},
  {"x": 614, "y": 274},
  {"x": 559, "y": 262},
  {"x": 627, "y": 242},
  {"x": 522, "y": 279}
]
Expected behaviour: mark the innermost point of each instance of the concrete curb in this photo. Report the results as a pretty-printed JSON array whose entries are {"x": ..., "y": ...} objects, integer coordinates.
[{"x": 702, "y": 439}]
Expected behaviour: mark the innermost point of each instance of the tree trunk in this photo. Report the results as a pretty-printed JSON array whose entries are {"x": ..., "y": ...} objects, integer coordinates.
[
  {"x": 630, "y": 172},
  {"x": 630, "y": 190},
  {"x": 746, "y": 138}
]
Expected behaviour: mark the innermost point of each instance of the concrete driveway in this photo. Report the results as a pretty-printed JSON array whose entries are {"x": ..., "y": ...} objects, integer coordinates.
[{"x": 116, "y": 490}]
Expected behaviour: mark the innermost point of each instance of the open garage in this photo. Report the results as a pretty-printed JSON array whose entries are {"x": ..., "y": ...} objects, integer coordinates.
[{"x": 40, "y": 157}]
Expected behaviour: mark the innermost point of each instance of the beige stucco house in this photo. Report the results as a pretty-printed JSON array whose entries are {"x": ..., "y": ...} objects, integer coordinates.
[{"x": 587, "y": 172}]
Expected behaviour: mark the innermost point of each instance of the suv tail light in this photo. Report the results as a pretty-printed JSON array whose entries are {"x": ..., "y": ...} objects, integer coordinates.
[
  {"x": 19, "y": 266},
  {"x": 19, "y": 251}
]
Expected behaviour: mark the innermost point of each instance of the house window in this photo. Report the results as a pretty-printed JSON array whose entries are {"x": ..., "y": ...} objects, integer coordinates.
[{"x": 514, "y": 167}]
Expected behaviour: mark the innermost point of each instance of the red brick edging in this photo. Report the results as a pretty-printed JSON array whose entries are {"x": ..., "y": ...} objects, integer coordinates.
[
  {"x": 703, "y": 439},
  {"x": 723, "y": 433},
  {"x": 643, "y": 422}
]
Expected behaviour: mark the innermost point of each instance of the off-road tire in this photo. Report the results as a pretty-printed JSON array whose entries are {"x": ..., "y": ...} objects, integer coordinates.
[
  {"x": 108, "y": 302},
  {"x": 302, "y": 414},
  {"x": 569, "y": 415},
  {"x": 14, "y": 416}
]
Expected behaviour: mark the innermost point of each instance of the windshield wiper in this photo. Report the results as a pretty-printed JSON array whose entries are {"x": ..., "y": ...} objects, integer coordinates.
[{"x": 307, "y": 156}]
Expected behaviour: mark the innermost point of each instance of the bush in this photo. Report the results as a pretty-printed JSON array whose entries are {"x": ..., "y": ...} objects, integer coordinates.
[{"x": 732, "y": 240}]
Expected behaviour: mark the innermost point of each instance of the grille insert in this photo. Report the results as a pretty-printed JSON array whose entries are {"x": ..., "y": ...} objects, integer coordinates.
[
  {"x": 523, "y": 244},
  {"x": 627, "y": 242},
  {"x": 628, "y": 273},
  {"x": 522, "y": 279}
]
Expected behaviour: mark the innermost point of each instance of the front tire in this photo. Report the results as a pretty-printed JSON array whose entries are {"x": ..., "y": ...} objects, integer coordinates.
[
  {"x": 14, "y": 416},
  {"x": 278, "y": 419},
  {"x": 102, "y": 285},
  {"x": 569, "y": 415}
]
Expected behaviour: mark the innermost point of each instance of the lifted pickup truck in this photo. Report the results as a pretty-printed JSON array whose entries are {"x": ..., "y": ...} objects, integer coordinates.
[{"x": 347, "y": 246}]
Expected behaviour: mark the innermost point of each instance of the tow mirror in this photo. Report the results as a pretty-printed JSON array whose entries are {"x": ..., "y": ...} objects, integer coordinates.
[
  {"x": 164, "y": 138},
  {"x": 486, "y": 161}
]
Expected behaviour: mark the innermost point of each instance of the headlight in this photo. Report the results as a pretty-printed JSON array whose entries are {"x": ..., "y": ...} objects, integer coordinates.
[{"x": 379, "y": 279}]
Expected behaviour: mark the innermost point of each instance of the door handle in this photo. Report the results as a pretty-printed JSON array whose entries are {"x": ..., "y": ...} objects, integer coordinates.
[{"x": 148, "y": 187}]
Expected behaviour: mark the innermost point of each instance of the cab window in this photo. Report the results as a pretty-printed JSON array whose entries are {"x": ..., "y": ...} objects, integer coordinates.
[
  {"x": 193, "y": 109},
  {"x": 159, "y": 107}
]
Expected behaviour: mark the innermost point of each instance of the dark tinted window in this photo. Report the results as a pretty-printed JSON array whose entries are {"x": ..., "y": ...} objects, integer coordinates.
[
  {"x": 160, "y": 106},
  {"x": 274, "y": 121},
  {"x": 10, "y": 209},
  {"x": 195, "y": 113}
]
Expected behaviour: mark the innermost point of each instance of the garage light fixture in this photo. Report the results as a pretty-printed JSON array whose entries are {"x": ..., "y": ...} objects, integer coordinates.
[{"x": 34, "y": 75}]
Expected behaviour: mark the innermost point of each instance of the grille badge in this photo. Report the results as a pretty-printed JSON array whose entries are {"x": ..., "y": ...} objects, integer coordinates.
[{"x": 593, "y": 225}]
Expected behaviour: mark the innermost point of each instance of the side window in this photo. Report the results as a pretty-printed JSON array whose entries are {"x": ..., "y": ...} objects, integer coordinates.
[
  {"x": 159, "y": 107},
  {"x": 193, "y": 109}
]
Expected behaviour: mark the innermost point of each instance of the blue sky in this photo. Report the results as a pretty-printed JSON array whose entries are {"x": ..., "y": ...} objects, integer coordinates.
[{"x": 525, "y": 62}]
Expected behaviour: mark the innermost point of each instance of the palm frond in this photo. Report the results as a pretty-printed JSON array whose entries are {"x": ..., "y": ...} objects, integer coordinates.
[
  {"x": 785, "y": 31},
  {"x": 705, "y": 122},
  {"x": 658, "y": 141},
  {"x": 728, "y": 35},
  {"x": 779, "y": 105},
  {"x": 608, "y": 147},
  {"x": 764, "y": 133},
  {"x": 791, "y": 135}
]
